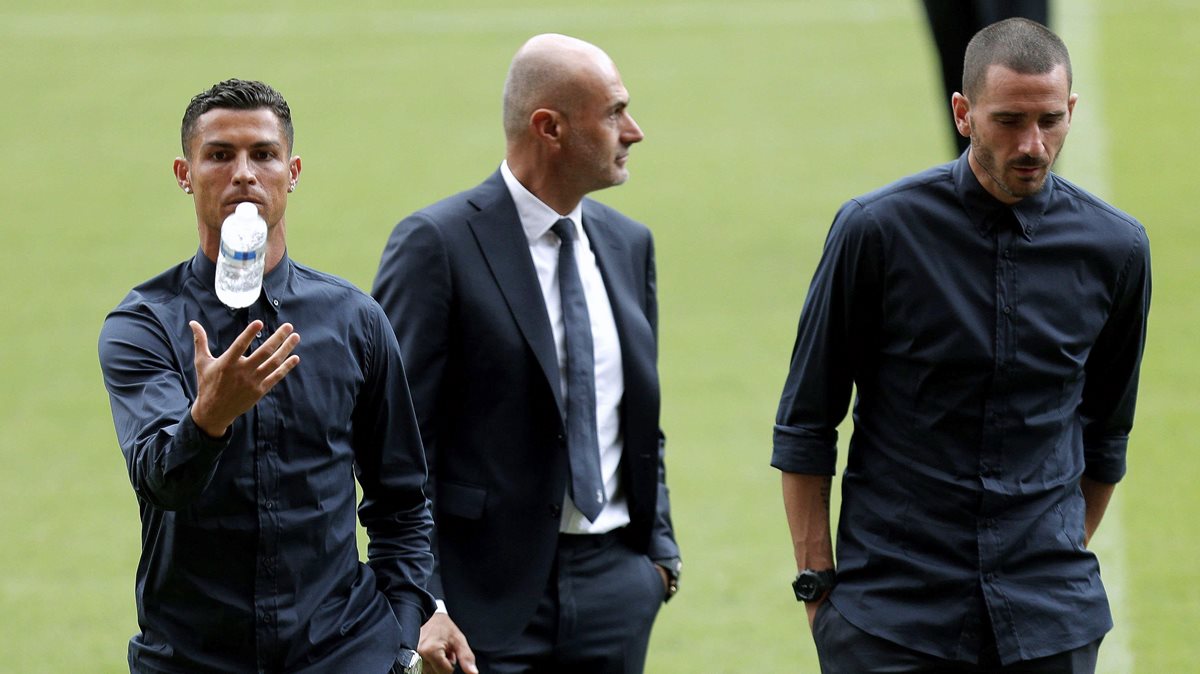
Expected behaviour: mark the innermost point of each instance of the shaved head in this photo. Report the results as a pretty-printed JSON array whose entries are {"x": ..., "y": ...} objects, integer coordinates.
[
  {"x": 550, "y": 71},
  {"x": 1018, "y": 44},
  {"x": 566, "y": 120}
]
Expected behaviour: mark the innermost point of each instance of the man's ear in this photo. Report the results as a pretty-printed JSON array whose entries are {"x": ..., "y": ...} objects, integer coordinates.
[
  {"x": 547, "y": 125},
  {"x": 294, "y": 171},
  {"x": 961, "y": 108},
  {"x": 183, "y": 174}
]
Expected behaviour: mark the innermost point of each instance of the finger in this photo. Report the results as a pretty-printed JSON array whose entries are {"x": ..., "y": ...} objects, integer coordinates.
[
  {"x": 200, "y": 342},
  {"x": 272, "y": 345},
  {"x": 466, "y": 659},
  {"x": 243, "y": 341},
  {"x": 279, "y": 373},
  {"x": 437, "y": 661},
  {"x": 278, "y": 357}
]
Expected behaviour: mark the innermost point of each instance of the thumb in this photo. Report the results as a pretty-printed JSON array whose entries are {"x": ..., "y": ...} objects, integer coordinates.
[{"x": 200, "y": 341}]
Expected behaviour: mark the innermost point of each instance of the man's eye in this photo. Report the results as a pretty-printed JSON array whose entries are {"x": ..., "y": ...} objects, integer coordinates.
[{"x": 219, "y": 155}]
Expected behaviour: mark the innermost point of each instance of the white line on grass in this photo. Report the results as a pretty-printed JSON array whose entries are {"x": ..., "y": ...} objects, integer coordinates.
[{"x": 1087, "y": 160}]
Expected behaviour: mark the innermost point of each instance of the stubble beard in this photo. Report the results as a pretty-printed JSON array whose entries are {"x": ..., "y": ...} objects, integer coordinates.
[{"x": 987, "y": 161}]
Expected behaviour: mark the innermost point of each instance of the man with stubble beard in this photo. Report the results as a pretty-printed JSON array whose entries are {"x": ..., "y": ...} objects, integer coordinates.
[{"x": 992, "y": 317}]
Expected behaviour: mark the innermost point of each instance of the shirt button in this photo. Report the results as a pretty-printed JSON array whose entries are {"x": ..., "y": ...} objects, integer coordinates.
[
  {"x": 1007, "y": 309},
  {"x": 269, "y": 504},
  {"x": 258, "y": 334},
  {"x": 990, "y": 577},
  {"x": 276, "y": 302},
  {"x": 555, "y": 511},
  {"x": 266, "y": 618}
]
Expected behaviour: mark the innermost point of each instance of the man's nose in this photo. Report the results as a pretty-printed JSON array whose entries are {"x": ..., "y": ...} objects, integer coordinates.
[
  {"x": 1032, "y": 141},
  {"x": 243, "y": 171},
  {"x": 631, "y": 133}
]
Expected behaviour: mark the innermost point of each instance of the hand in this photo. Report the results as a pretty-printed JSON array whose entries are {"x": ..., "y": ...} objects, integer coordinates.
[
  {"x": 1096, "y": 496},
  {"x": 811, "y": 607},
  {"x": 666, "y": 578},
  {"x": 443, "y": 645},
  {"x": 229, "y": 385}
]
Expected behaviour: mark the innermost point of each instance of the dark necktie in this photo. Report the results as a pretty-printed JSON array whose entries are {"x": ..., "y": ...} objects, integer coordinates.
[{"x": 587, "y": 488}]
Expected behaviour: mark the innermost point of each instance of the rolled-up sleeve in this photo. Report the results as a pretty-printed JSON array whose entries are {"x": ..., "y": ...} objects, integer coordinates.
[
  {"x": 839, "y": 316},
  {"x": 1112, "y": 370}
]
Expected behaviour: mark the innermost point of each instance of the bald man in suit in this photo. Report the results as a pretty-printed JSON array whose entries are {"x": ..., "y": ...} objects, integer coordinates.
[{"x": 527, "y": 319}]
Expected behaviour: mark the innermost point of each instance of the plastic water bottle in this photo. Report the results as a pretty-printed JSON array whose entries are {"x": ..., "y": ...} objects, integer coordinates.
[{"x": 243, "y": 254}]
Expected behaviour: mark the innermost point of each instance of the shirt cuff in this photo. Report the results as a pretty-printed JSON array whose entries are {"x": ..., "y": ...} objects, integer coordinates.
[
  {"x": 1105, "y": 461},
  {"x": 410, "y": 618},
  {"x": 800, "y": 451},
  {"x": 197, "y": 444}
]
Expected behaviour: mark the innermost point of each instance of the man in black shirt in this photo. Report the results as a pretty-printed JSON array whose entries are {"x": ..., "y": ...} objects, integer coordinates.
[
  {"x": 992, "y": 317},
  {"x": 244, "y": 463}
]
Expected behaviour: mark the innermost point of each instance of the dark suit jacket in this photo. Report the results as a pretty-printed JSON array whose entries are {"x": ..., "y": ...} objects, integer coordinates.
[{"x": 458, "y": 284}]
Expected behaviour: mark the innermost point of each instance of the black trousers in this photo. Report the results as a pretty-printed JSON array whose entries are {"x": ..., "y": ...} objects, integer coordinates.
[
  {"x": 594, "y": 617},
  {"x": 842, "y": 648}
]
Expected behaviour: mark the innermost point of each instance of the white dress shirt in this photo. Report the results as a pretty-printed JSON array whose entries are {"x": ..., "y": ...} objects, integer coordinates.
[{"x": 536, "y": 219}]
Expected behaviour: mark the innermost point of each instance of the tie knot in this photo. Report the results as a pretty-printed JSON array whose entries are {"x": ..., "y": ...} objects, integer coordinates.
[{"x": 565, "y": 229}]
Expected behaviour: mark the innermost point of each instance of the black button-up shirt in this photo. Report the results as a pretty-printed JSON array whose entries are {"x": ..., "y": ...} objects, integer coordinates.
[
  {"x": 995, "y": 351},
  {"x": 249, "y": 555}
]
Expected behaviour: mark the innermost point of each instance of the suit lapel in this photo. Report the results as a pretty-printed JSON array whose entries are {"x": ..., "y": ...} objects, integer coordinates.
[
  {"x": 615, "y": 258},
  {"x": 497, "y": 229}
]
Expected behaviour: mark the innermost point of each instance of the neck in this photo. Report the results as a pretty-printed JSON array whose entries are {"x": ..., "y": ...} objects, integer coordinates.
[
  {"x": 544, "y": 182},
  {"x": 989, "y": 182}
]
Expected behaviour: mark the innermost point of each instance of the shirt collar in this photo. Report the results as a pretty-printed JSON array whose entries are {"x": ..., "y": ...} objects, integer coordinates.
[
  {"x": 275, "y": 282},
  {"x": 986, "y": 210},
  {"x": 536, "y": 217}
]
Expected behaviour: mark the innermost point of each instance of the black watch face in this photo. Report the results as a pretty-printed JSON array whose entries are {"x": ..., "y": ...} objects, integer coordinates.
[
  {"x": 809, "y": 585},
  {"x": 806, "y": 587}
]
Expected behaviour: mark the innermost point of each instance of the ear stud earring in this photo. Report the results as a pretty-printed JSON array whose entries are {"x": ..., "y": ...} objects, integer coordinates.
[{"x": 186, "y": 189}]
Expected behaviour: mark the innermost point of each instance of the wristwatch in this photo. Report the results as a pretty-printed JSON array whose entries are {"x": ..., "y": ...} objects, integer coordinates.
[
  {"x": 812, "y": 585},
  {"x": 409, "y": 662},
  {"x": 673, "y": 567}
]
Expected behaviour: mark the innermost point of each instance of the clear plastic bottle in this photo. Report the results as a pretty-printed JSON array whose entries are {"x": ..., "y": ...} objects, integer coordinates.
[{"x": 242, "y": 256}]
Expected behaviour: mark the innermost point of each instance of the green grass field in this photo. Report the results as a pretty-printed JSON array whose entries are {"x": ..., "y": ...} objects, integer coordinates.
[{"x": 761, "y": 118}]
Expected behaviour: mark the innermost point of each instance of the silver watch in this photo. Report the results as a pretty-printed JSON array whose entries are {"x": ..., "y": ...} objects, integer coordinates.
[{"x": 409, "y": 662}]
